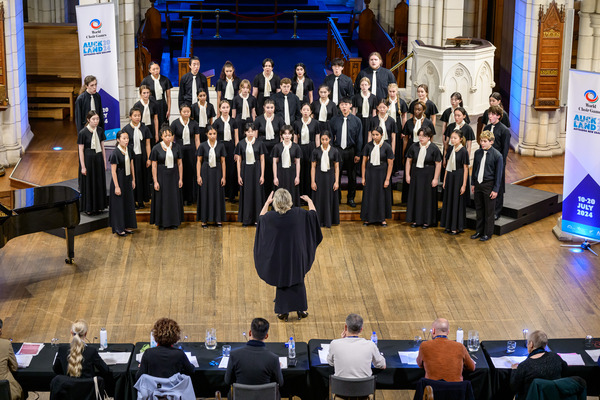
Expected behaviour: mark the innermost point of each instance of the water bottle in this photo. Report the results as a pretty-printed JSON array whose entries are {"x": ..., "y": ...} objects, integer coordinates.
[
  {"x": 291, "y": 348},
  {"x": 460, "y": 335},
  {"x": 103, "y": 339},
  {"x": 374, "y": 338},
  {"x": 152, "y": 340}
]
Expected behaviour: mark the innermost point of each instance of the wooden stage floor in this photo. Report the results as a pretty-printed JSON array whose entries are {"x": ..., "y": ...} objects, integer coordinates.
[{"x": 399, "y": 279}]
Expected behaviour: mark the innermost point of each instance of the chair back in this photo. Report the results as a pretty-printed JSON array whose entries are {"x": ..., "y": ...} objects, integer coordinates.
[
  {"x": 352, "y": 387},
  {"x": 268, "y": 391},
  {"x": 4, "y": 390},
  {"x": 64, "y": 387},
  {"x": 428, "y": 393},
  {"x": 572, "y": 388},
  {"x": 444, "y": 390}
]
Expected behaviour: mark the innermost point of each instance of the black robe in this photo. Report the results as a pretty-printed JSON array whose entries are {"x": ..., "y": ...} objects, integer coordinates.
[
  {"x": 430, "y": 108},
  {"x": 259, "y": 82},
  {"x": 307, "y": 149},
  {"x": 377, "y": 201},
  {"x": 252, "y": 193},
  {"x": 188, "y": 158},
  {"x": 161, "y": 104},
  {"x": 143, "y": 174},
  {"x": 92, "y": 186},
  {"x": 422, "y": 202},
  {"x": 211, "y": 195},
  {"x": 284, "y": 251},
  {"x": 121, "y": 211},
  {"x": 153, "y": 110},
  {"x": 83, "y": 106},
  {"x": 325, "y": 198},
  {"x": 166, "y": 209},
  {"x": 210, "y": 113},
  {"x": 287, "y": 176},
  {"x": 454, "y": 207},
  {"x": 231, "y": 185},
  {"x": 221, "y": 86}
]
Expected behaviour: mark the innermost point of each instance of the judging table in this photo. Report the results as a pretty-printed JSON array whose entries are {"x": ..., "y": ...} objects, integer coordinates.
[
  {"x": 208, "y": 377},
  {"x": 500, "y": 378},
  {"x": 396, "y": 375},
  {"x": 39, "y": 373}
]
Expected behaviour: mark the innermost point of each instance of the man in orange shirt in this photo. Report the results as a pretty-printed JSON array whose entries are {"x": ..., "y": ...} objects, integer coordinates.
[{"x": 443, "y": 358}]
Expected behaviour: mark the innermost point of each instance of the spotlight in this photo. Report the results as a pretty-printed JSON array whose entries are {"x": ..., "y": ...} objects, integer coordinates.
[{"x": 57, "y": 148}]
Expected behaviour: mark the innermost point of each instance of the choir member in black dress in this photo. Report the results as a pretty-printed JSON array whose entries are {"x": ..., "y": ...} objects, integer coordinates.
[
  {"x": 397, "y": 106},
  {"x": 243, "y": 109},
  {"x": 250, "y": 176},
  {"x": 456, "y": 184},
  {"x": 284, "y": 249},
  {"x": 88, "y": 100},
  {"x": 92, "y": 165},
  {"x": 502, "y": 144},
  {"x": 302, "y": 85},
  {"x": 211, "y": 179},
  {"x": 339, "y": 85},
  {"x": 286, "y": 164},
  {"x": 139, "y": 143},
  {"x": 149, "y": 111},
  {"x": 423, "y": 166},
  {"x": 448, "y": 115},
  {"x": 265, "y": 84},
  {"x": 121, "y": 211},
  {"x": 460, "y": 122},
  {"x": 228, "y": 134},
  {"x": 430, "y": 107},
  {"x": 306, "y": 135},
  {"x": 487, "y": 177},
  {"x": 160, "y": 89},
  {"x": 228, "y": 85},
  {"x": 364, "y": 106},
  {"x": 325, "y": 181},
  {"x": 379, "y": 76},
  {"x": 287, "y": 105},
  {"x": 203, "y": 113},
  {"x": 377, "y": 165},
  {"x": 269, "y": 125},
  {"x": 346, "y": 130},
  {"x": 386, "y": 123},
  {"x": 495, "y": 99},
  {"x": 323, "y": 109},
  {"x": 166, "y": 209},
  {"x": 191, "y": 83},
  {"x": 187, "y": 132}
]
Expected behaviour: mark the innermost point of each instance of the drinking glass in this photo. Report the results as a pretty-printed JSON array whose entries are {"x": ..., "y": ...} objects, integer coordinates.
[
  {"x": 226, "y": 350},
  {"x": 211, "y": 339},
  {"x": 473, "y": 343},
  {"x": 511, "y": 345}
]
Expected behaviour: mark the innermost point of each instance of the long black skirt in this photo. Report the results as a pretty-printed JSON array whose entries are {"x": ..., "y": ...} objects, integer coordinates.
[
  {"x": 252, "y": 194},
  {"x": 211, "y": 198},
  {"x": 166, "y": 209},
  {"x": 289, "y": 299},
  {"x": 377, "y": 201},
  {"x": 422, "y": 198},
  {"x": 454, "y": 208},
  {"x": 269, "y": 144},
  {"x": 121, "y": 211},
  {"x": 142, "y": 178},
  {"x": 325, "y": 198},
  {"x": 92, "y": 186},
  {"x": 231, "y": 181},
  {"x": 305, "y": 166},
  {"x": 189, "y": 189},
  {"x": 161, "y": 109},
  {"x": 286, "y": 177}
]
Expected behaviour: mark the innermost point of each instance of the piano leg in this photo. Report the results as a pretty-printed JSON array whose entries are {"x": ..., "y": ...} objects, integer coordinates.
[{"x": 70, "y": 237}]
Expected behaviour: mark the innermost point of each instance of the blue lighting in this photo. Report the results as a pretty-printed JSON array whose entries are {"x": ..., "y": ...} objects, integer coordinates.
[
  {"x": 577, "y": 250},
  {"x": 57, "y": 148}
]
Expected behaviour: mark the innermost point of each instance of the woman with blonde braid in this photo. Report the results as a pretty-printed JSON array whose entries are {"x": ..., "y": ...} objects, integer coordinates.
[{"x": 79, "y": 360}]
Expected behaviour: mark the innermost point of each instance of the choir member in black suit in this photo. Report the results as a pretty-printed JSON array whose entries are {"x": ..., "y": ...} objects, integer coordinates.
[
  {"x": 191, "y": 83},
  {"x": 88, "y": 100},
  {"x": 347, "y": 130},
  {"x": 265, "y": 84},
  {"x": 448, "y": 115},
  {"x": 364, "y": 106},
  {"x": 386, "y": 123},
  {"x": 269, "y": 125},
  {"x": 286, "y": 164},
  {"x": 251, "y": 163},
  {"x": 165, "y": 360},
  {"x": 423, "y": 166},
  {"x": 139, "y": 143},
  {"x": 149, "y": 110},
  {"x": 160, "y": 89},
  {"x": 287, "y": 105},
  {"x": 187, "y": 133},
  {"x": 430, "y": 107},
  {"x": 495, "y": 99},
  {"x": 379, "y": 76},
  {"x": 397, "y": 106},
  {"x": 460, "y": 122},
  {"x": 325, "y": 181},
  {"x": 166, "y": 209},
  {"x": 456, "y": 185},
  {"x": 323, "y": 109},
  {"x": 302, "y": 85},
  {"x": 502, "y": 144},
  {"x": 306, "y": 134},
  {"x": 211, "y": 170},
  {"x": 339, "y": 85},
  {"x": 203, "y": 113},
  {"x": 243, "y": 109},
  {"x": 228, "y": 85},
  {"x": 92, "y": 165},
  {"x": 121, "y": 211},
  {"x": 487, "y": 177},
  {"x": 228, "y": 134},
  {"x": 377, "y": 165}
]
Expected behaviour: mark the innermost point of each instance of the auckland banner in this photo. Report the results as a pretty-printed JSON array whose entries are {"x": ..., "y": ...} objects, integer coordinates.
[
  {"x": 98, "y": 55},
  {"x": 581, "y": 188}
]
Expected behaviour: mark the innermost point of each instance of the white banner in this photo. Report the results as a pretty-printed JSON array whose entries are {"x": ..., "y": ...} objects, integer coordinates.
[
  {"x": 581, "y": 188},
  {"x": 98, "y": 54}
]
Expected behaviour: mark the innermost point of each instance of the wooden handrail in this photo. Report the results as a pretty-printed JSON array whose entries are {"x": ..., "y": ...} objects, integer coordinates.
[
  {"x": 338, "y": 39},
  {"x": 187, "y": 47},
  {"x": 405, "y": 59}
]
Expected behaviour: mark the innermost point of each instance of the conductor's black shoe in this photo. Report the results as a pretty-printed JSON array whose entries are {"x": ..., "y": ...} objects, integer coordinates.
[
  {"x": 351, "y": 203},
  {"x": 484, "y": 238},
  {"x": 476, "y": 236},
  {"x": 302, "y": 314},
  {"x": 283, "y": 317},
  {"x": 496, "y": 217}
]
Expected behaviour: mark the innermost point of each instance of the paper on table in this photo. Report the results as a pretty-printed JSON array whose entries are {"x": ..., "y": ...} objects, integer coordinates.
[
  {"x": 408, "y": 357},
  {"x": 24, "y": 360},
  {"x": 323, "y": 353},
  {"x": 572, "y": 358},
  {"x": 32, "y": 349},
  {"x": 113, "y": 358},
  {"x": 192, "y": 359},
  {"x": 283, "y": 362},
  {"x": 506, "y": 362},
  {"x": 224, "y": 362},
  {"x": 594, "y": 354},
  {"x": 138, "y": 357}
]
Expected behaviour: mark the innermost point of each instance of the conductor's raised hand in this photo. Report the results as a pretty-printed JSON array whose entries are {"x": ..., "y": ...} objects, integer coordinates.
[{"x": 270, "y": 198}]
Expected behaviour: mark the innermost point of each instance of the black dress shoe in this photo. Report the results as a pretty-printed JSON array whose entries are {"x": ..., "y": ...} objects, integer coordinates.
[
  {"x": 122, "y": 234},
  {"x": 453, "y": 233},
  {"x": 496, "y": 217},
  {"x": 351, "y": 203},
  {"x": 476, "y": 236},
  {"x": 365, "y": 223},
  {"x": 484, "y": 238},
  {"x": 302, "y": 314},
  {"x": 283, "y": 317},
  {"x": 413, "y": 225}
]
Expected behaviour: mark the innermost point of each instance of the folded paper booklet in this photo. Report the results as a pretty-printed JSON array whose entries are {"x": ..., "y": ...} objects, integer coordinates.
[
  {"x": 283, "y": 362},
  {"x": 192, "y": 359},
  {"x": 594, "y": 354},
  {"x": 113, "y": 358},
  {"x": 408, "y": 357},
  {"x": 572, "y": 358},
  {"x": 507, "y": 362},
  {"x": 324, "y": 353},
  {"x": 30, "y": 349},
  {"x": 24, "y": 360},
  {"x": 224, "y": 362}
]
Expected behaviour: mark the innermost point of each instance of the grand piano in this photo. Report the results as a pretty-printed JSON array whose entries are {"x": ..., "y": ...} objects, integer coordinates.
[{"x": 40, "y": 209}]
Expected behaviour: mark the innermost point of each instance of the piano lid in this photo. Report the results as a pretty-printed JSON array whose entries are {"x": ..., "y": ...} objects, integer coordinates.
[{"x": 26, "y": 200}]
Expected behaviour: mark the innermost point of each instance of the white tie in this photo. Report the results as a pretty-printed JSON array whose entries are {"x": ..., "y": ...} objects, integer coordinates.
[
  {"x": 300, "y": 89},
  {"x": 250, "y": 152},
  {"x": 365, "y": 106},
  {"x": 325, "y": 159},
  {"x": 344, "y": 141},
  {"x": 492, "y": 128},
  {"x": 286, "y": 160},
  {"x": 375, "y": 157},
  {"x": 382, "y": 126},
  {"x": 418, "y": 123},
  {"x": 229, "y": 89},
  {"x": 336, "y": 90},
  {"x": 95, "y": 140},
  {"x": 226, "y": 129},
  {"x": 452, "y": 161},
  {"x": 92, "y": 103},
  {"x": 392, "y": 110},
  {"x": 323, "y": 111},
  {"x": 305, "y": 133},
  {"x": 127, "y": 160},
  {"x": 146, "y": 114},
  {"x": 245, "y": 108},
  {"x": 202, "y": 117},
  {"x": 451, "y": 118},
  {"x": 422, "y": 155},
  {"x": 267, "y": 91},
  {"x": 169, "y": 162},
  {"x": 269, "y": 132},
  {"x": 137, "y": 139},
  {"x": 482, "y": 167},
  {"x": 374, "y": 83},
  {"x": 158, "y": 91},
  {"x": 286, "y": 110},
  {"x": 186, "y": 131},
  {"x": 194, "y": 90},
  {"x": 212, "y": 155}
]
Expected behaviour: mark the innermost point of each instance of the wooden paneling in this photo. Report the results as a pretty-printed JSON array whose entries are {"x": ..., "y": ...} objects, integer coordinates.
[{"x": 52, "y": 50}]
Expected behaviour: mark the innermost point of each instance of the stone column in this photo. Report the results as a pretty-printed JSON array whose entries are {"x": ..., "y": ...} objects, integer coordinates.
[
  {"x": 586, "y": 36},
  {"x": 595, "y": 24},
  {"x": 46, "y": 11},
  {"x": 438, "y": 22},
  {"x": 454, "y": 14}
]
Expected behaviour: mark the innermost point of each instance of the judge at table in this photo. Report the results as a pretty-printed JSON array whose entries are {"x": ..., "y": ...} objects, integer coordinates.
[
  {"x": 8, "y": 363},
  {"x": 284, "y": 249}
]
